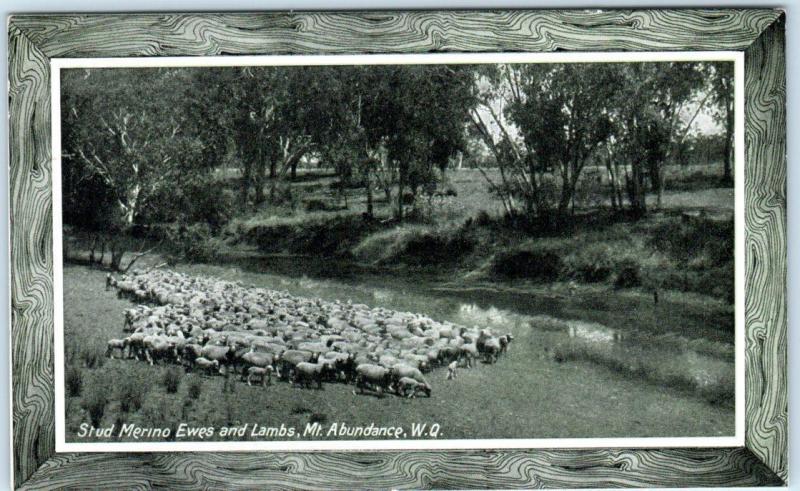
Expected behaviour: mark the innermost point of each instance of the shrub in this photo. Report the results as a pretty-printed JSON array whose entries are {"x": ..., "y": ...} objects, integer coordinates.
[
  {"x": 483, "y": 219},
  {"x": 592, "y": 264},
  {"x": 91, "y": 358},
  {"x": 73, "y": 381},
  {"x": 628, "y": 274},
  {"x": 538, "y": 263},
  {"x": 171, "y": 380},
  {"x": 130, "y": 393},
  {"x": 316, "y": 204},
  {"x": 297, "y": 409},
  {"x": 94, "y": 402},
  {"x": 194, "y": 242},
  {"x": 195, "y": 388},
  {"x": 701, "y": 242},
  {"x": 318, "y": 418},
  {"x": 417, "y": 245}
]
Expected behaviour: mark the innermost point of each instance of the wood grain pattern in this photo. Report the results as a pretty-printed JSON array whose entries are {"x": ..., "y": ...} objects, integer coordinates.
[
  {"x": 430, "y": 470},
  {"x": 31, "y": 256},
  {"x": 33, "y": 40},
  {"x": 404, "y": 32},
  {"x": 765, "y": 190}
]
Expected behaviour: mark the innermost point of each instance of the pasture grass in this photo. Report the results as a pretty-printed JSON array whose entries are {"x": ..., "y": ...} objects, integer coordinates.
[{"x": 710, "y": 378}]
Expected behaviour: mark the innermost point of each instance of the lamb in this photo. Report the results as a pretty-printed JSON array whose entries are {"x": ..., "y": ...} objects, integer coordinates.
[
  {"x": 116, "y": 345},
  {"x": 451, "y": 370},
  {"x": 253, "y": 359},
  {"x": 221, "y": 354},
  {"x": 409, "y": 387},
  {"x": 505, "y": 340},
  {"x": 401, "y": 370},
  {"x": 264, "y": 374}
]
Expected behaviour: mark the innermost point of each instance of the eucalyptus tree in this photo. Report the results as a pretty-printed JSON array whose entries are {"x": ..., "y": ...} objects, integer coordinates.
[{"x": 129, "y": 138}]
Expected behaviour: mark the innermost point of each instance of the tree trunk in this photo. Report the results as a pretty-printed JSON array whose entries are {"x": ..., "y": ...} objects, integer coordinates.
[
  {"x": 116, "y": 258},
  {"x": 400, "y": 187},
  {"x": 245, "y": 186},
  {"x": 659, "y": 184},
  {"x": 293, "y": 170},
  {"x": 369, "y": 195},
  {"x": 636, "y": 191},
  {"x": 259, "y": 182},
  {"x": 567, "y": 195},
  {"x": 726, "y": 160},
  {"x": 92, "y": 247},
  {"x": 102, "y": 251}
]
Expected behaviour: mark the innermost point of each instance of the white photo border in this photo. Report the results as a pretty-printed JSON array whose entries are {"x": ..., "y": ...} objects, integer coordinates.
[{"x": 738, "y": 440}]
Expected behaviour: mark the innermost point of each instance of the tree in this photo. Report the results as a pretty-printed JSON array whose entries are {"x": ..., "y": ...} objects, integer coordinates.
[
  {"x": 125, "y": 148},
  {"x": 547, "y": 119},
  {"x": 721, "y": 90}
]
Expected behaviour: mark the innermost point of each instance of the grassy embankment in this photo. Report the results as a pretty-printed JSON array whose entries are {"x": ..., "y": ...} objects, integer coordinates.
[{"x": 464, "y": 236}]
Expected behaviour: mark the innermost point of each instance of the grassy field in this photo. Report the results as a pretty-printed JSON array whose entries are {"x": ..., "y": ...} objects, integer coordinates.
[{"x": 527, "y": 393}]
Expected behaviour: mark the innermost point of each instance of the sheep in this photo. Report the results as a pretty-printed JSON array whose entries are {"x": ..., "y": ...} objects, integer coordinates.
[
  {"x": 289, "y": 359},
  {"x": 208, "y": 366},
  {"x": 491, "y": 349},
  {"x": 222, "y": 354},
  {"x": 221, "y": 320},
  {"x": 451, "y": 370},
  {"x": 159, "y": 348},
  {"x": 115, "y": 345},
  {"x": 373, "y": 377},
  {"x": 505, "y": 340},
  {"x": 402, "y": 370},
  {"x": 264, "y": 374},
  {"x": 191, "y": 352},
  {"x": 467, "y": 353},
  {"x": 253, "y": 359},
  {"x": 305, "y": 373},
  {"x": 408, "y": 387}
]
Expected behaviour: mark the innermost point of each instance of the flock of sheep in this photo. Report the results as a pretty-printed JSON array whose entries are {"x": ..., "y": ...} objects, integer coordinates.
[{"x": 221, "y": 327}]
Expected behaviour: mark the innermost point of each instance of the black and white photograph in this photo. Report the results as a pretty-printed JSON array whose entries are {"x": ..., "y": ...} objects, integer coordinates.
[
  {"x": 420, "y": 252},
  {"x": 399, "y": 249}
]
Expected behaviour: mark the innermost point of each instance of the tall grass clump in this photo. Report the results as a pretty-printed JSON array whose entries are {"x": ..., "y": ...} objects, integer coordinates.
[
  {"x": 171, "y": 379},
  {"x": 195, "y": 387},
  {"x": 130, "y": 393},
  {"x": 91, "y": 358},
  {"x": 73, "y": 380},
  {"x": 95, "y": 398},
  {"x": 628, "y": 274}
]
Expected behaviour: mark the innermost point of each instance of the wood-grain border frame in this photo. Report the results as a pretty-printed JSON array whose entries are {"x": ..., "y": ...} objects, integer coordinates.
[{"x": 35, "y": 39}]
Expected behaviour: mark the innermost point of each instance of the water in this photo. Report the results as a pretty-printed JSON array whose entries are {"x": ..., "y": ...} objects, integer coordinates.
[{"x": 501, "y": 311}]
